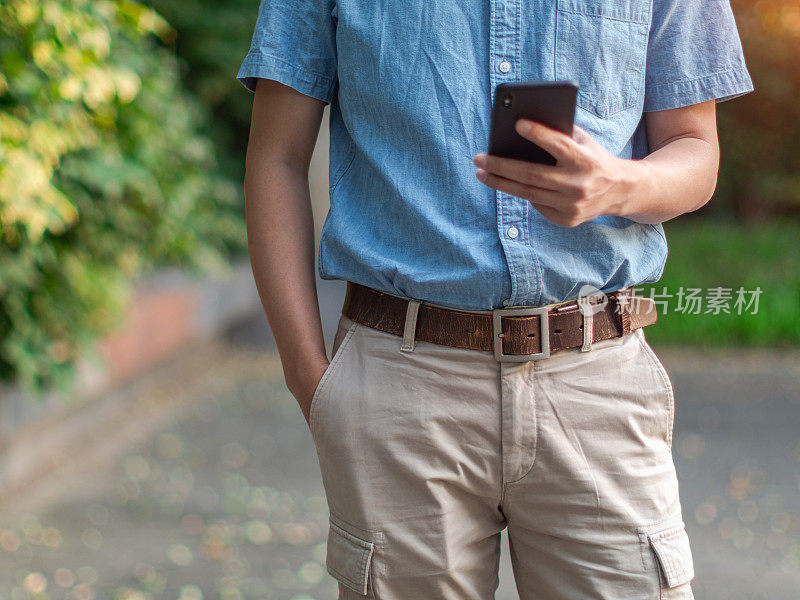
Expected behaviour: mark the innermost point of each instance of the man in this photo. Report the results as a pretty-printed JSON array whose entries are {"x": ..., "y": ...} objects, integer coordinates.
[{"x": 442, "y": 418}]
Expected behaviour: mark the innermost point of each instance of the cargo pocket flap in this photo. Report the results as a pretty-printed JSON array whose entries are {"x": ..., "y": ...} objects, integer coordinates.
[
  {"x": 349, "y": 559},
  {"x": 671, "y": 546}
]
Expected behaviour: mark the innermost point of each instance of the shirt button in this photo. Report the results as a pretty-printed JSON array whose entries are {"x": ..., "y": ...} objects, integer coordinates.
[
  {"x": 504, "y": 66},
  {"x": 512, "y": 232}
]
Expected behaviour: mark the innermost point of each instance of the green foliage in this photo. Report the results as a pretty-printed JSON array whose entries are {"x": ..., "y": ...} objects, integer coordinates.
[
  {"x": 213, "y": 39},
  {"x": 103, "y": 174},
  {"x": 708, "y": 254},
  {"x": 760, "y": 132}
]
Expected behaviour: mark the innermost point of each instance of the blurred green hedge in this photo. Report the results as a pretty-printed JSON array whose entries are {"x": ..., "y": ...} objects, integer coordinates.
[
  {"x": 213, "y": 39},
  {"x": 760, "y": 132},
  {"x": 709, "y": 254},
  {"x": 104, "y": 172}
]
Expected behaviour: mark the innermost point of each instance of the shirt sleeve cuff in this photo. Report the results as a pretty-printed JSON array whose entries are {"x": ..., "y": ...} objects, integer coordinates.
[
  {"x": 257, "y": 65},
  {"x": 721, "y": 86}
]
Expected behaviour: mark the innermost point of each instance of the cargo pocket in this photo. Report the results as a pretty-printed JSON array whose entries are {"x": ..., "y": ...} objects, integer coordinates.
[
  {"x": 349, "y": 560},
  {"x": 669, "y": 544}
]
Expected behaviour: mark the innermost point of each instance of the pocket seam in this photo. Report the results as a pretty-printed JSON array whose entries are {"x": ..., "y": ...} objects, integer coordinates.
[
  {"x": 587, "y": 105},
  {"x": 587, "y": 13},
  {"x": 326, "y": 376},
  {"x": 675, "y": 569},
  {"x": 661, "y": 525},
  {"x": 376, "y": 535},
  {"x": 656, "y": 362},
  {"x": 366, "y": 550}
]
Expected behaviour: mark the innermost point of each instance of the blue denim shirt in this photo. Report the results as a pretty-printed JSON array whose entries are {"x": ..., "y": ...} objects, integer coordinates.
[{"x": 410, "y": 85}]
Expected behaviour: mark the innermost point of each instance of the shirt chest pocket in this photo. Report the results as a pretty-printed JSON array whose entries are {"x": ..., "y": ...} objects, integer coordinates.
[{"x": 602, "y": 44}]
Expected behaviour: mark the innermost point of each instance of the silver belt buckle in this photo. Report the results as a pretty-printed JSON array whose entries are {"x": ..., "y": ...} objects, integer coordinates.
[{"x": 497, "y": 333}]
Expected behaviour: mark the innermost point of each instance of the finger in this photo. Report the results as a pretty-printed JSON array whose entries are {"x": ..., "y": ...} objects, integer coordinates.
[
  {"x": 580, "y": 135},
  {"x": 520, "y": 190},
  {"x": 562, "y": 147},
  {"x": 585, "y": 141},
  {"x": 550, "y": 204},
  {"x": 552, "y": 214},
  {"x": 543, "y": 176}
]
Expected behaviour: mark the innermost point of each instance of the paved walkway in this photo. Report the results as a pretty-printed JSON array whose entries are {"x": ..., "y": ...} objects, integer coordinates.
[{"x": 219, "y": 495}]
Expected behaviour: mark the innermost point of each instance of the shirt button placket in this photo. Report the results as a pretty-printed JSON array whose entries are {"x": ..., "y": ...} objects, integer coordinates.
[{"x": 504, "y": 47}]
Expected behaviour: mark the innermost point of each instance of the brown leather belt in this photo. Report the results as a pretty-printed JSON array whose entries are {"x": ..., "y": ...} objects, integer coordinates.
[{"x": 513, "y": 334}]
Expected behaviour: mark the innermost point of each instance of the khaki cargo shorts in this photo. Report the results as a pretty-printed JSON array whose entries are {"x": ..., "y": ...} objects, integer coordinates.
[{"x": 426, "y": 456}]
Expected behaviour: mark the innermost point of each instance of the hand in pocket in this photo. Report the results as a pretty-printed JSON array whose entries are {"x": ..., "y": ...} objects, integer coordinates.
[{"x": 306, "y": 384}]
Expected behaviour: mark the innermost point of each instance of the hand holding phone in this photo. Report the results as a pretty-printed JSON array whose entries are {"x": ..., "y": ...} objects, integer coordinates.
[
  {"x": 585, "y": 182},
  {"x": 549, "y": 102}
]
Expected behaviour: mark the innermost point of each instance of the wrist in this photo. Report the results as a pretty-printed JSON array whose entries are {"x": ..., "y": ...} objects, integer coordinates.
[
  {"x": 301, "y": 368},
  {"x": 634, "y": 182}
]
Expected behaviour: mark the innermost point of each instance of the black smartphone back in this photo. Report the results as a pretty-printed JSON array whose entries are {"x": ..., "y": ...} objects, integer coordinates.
[{"x": 548, "y": 102}]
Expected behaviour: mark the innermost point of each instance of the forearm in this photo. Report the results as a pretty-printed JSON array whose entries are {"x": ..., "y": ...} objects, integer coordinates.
[
  {"x": 280, "y": 237},
  {"x": 679, "y": 177},
  {"x": 587, "y": 181}
]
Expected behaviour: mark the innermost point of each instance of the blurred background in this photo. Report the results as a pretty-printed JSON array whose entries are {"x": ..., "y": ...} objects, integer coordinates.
[{"x": 148, "y": 445}]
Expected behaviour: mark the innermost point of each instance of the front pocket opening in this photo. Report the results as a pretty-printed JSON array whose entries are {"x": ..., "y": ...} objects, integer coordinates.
[
  {"x": 673, "y": 554},
  {"x": 656, "y": 363},
  {"x": 332, "y": 365},
  {"x": 349, "y": 559}
]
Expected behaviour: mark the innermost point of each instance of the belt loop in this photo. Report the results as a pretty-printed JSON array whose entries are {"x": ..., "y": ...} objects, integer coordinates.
[
  {"x": 585, "y": 305},
  {"x": 410, "y": 328}
]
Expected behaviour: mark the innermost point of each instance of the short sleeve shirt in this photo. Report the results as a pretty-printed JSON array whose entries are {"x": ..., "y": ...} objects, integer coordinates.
[{"x": 410, "y": 85}]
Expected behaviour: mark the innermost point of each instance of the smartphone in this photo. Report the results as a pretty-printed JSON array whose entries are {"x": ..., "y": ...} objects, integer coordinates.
[{"x": 548, "y": 102}]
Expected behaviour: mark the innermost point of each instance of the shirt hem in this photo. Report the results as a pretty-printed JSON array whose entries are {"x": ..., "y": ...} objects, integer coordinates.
[
  {"x": 262, "y": 66},
  {"x": 721, "y": 86}
]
